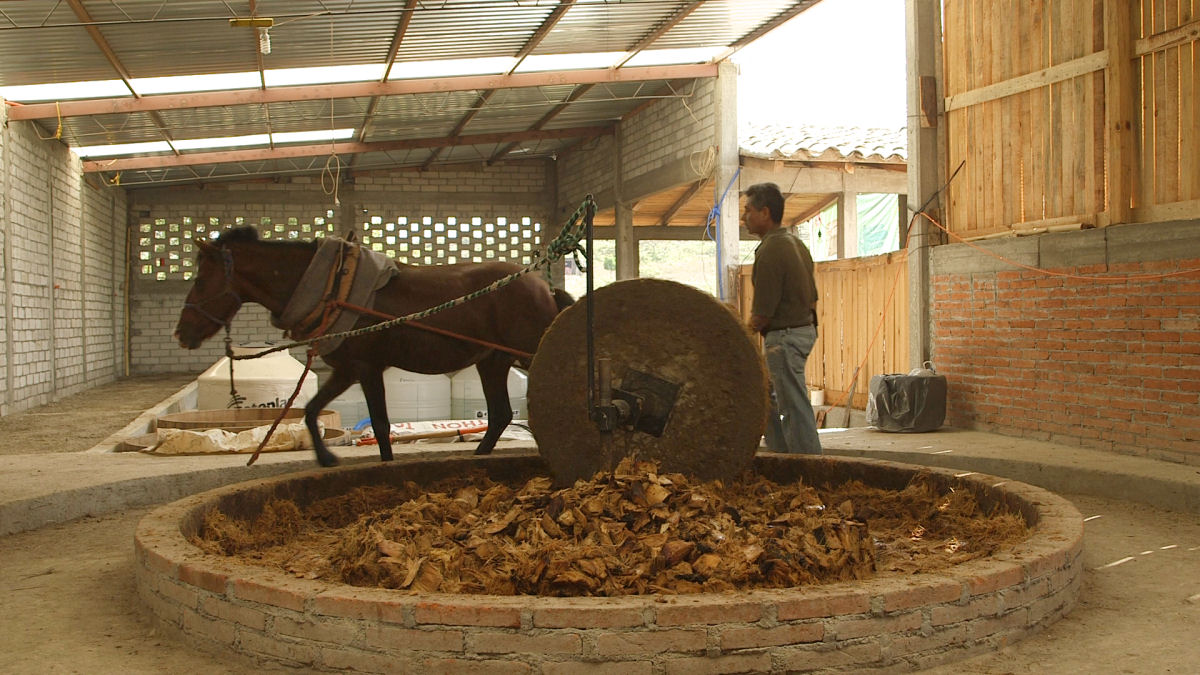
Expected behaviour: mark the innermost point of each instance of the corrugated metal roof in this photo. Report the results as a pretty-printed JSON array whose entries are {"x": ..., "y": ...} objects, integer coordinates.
[
  {"x": 809, "y": 142},
  {"x": 43, "y": 42}
]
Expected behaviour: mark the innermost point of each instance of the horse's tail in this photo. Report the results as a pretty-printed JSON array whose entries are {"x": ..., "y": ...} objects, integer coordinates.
[{"x": 563, "y": 299}]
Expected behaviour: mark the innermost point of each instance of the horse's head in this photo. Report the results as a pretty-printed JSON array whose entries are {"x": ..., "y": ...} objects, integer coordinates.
[{"x": 213, "y": 300}]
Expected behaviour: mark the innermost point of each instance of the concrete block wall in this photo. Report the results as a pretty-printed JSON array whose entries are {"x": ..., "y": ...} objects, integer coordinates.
[
  {"x": 62, "y": 273},
  {"x": 671, "y": 130},
  {"x": 666, "y": 133},
  {"x": 587, "y": 168},
  {"x": 1111, "y": 363},
  {"x": 512, "y": 190}
]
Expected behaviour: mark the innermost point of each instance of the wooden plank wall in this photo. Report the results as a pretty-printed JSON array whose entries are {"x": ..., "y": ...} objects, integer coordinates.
[
  {"x": 1168, "y": 62},
  {"x": 1032, "y": 153},
  {"x": 1025, "y": 97},
  {"x": 854, "y": 295}
]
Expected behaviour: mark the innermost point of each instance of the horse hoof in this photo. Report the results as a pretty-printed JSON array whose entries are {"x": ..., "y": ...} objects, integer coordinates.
[
  {"x": 483, "y": 451},
  {"x": 328, "y": 462}
]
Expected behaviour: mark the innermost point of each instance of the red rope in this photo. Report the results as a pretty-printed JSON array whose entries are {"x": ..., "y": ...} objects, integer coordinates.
[{"x": 439, "y": 331}]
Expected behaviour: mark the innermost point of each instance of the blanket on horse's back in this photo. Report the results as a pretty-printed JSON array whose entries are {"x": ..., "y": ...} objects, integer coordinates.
[{"x": 340, "y": 271}]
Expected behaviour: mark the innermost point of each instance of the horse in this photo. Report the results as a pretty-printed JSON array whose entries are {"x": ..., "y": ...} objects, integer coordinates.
[{"x": 492, "y": 332}]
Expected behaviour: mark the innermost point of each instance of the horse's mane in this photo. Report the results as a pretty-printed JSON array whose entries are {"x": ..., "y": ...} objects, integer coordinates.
[{"x": 249, "y": 233}]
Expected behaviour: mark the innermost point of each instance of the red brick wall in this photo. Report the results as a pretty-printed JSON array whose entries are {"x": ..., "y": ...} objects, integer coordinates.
[{"x": 1113, "y": 365}]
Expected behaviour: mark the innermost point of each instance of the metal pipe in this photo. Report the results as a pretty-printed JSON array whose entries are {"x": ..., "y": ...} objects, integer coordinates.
[{"x": 588, "y": 215}]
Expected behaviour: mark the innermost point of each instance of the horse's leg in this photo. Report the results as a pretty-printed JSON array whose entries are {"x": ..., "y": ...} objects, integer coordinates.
[
  {"x": 338, "y": 382},
  {"x": 372, "y": 386},
  {"x": 493, "y": 374}
]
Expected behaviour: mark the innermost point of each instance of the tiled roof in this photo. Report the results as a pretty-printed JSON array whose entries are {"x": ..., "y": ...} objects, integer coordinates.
[{"x": 801, "y": 141}]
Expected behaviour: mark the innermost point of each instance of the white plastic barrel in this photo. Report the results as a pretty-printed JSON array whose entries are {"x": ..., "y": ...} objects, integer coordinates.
[
  {"x": 467, "y": 401},
  {"x": 351, "y": 405},
  {"x": 414, "y": 397},
  {"x": 264, "y": 382}
]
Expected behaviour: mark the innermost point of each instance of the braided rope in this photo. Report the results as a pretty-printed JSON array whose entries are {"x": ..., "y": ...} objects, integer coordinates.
[{"x": 566, "y": 242}]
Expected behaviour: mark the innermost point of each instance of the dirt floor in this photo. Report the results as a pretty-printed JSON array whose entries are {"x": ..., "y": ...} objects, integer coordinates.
[
  {"x": 69, "y": 604},
  {"x": 78, "y": 422}
]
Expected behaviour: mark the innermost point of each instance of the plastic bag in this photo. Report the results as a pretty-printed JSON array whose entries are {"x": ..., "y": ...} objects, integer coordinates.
[{"x": 907, "y": 403}]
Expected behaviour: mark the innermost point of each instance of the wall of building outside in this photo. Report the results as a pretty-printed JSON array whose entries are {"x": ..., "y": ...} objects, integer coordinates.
[
  {"x": 665, "y": 144},
  {"x": 1109, "y": 362},
  {"x": 673, "y": 131},
  {"x": 62, "y": 273},
  {"x": 455, "y": 214}
]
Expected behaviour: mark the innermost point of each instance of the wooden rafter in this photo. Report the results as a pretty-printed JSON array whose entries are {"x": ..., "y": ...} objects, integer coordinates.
[
  {"x": 534, "y": 40},
  {"x": 393, "y": 50},
  {"x": 85, "y": 17},
  {"x": 679, "y": 203},
  {"x": 292, "y": 151},
  {"x": 125, "y": 105},
  {"x": 660, "y": 30},
  {"x": 645, "y": 41}
]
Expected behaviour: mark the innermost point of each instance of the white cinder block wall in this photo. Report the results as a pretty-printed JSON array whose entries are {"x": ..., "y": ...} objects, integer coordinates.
[
  {"x": 62, "y": 272},
  {"x": 297, "y": 208}
]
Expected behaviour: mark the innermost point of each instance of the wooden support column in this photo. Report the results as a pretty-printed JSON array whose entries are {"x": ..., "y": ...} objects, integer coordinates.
[
  {"x": 725, "y": 188},
  {"x": 1124, "y": 176},
  {"x": 626, "y": 244},
  {"x": 557, "y": 271},
  {"x": 847, "y": 225},
  {"x": 923, "y": 37}
]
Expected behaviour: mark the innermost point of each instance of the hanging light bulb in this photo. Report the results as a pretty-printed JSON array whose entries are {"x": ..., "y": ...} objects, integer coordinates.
[{"x": 264, "y": 41}]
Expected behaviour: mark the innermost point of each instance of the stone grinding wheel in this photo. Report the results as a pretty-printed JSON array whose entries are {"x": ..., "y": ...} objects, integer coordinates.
[{"x": 673, "y": 332}]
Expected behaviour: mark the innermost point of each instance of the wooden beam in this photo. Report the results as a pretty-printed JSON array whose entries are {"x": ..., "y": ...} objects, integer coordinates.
[
  {"x": 1188, "y": 32},
  {"x": 660, "y": 30},
  {"x": 1046, "y": 76},
  {"x": 393, "y": 49},
  {"x": 545, "y": 119},
  {"x": 1120, "y": 95},
  {"x": 429, "y": 85},
  {"x": 534, "y": 40},
  {"x": 813, "y": 211},
  {"x": 679, "y": 203},
  {"x": 288, "y": 152}
]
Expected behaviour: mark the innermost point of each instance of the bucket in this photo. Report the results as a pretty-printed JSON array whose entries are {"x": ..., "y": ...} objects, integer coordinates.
[
  {"x": 467, "y": 401},
  {"x": 816, "y": 396},
  {"x": 414, "y": 397},
  {"x": 264, "y": 382}
]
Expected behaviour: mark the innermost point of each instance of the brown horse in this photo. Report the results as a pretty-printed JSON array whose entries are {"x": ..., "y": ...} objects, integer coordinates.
[{"x": 238, "y": 267}]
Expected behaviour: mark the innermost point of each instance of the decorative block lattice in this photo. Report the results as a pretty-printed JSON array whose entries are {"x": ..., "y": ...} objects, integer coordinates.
[
  {"x": 164, "y": 249},
  {"x": 424, "y": 240}
]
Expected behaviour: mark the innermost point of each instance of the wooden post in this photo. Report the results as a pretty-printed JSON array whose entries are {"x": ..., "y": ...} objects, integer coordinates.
[
  {"x": 923, "y": 28},
  {"x": 626, "y": 244},
  {"x": 725, "y": 188},
  {"x": 847, "y": 225},
  {"x": 1124, "y": 174}
]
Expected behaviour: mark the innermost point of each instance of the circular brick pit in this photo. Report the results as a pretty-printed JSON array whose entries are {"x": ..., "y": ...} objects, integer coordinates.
[{"x": 220, "y": 605}]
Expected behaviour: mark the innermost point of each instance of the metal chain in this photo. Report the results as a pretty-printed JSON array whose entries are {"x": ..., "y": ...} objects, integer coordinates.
[{"x": 566, "y": 242}]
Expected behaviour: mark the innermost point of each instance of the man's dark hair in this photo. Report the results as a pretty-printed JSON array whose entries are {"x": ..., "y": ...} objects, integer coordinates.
[{"x": 768, "y": 195}]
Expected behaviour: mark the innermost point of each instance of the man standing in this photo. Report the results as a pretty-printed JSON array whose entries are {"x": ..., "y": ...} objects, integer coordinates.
[{"x": 785, "y": 313}]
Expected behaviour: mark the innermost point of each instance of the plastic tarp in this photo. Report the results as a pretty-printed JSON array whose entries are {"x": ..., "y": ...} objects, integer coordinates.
[{"x": 907, "y": 403}]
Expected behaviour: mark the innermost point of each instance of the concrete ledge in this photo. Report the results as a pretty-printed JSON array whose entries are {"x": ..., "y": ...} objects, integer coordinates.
[{"x": 897, "y": 622}]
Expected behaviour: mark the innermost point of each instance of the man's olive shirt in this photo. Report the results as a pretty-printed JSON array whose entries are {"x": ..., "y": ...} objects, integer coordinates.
[{"x": 784, "y": 289}]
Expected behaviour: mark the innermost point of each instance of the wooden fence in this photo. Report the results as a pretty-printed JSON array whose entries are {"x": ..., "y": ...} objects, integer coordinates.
[
  {"x": 1069, "y": 112},
  {"x": 863, "y": 318}
]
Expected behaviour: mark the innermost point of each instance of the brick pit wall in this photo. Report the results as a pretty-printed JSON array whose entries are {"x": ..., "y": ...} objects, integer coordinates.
[
  {"x": 1114, "y": 366},
  {"x": 62, "y": 272},
  {"x": 896, "y": 623}
]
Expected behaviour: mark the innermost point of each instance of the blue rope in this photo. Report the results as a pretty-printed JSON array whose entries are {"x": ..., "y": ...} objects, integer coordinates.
[{"x": 713, "y": 214}]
